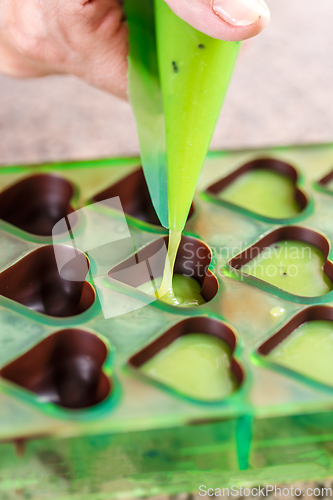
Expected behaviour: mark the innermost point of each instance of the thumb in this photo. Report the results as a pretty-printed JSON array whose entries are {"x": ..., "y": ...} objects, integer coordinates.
[{"x": 224, "y": 19}]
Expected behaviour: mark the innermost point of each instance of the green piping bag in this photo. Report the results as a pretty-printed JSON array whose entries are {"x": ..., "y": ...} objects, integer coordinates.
[{"x": 178, "y": 78}]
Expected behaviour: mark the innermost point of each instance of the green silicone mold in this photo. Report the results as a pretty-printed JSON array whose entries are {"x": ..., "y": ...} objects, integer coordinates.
[{"x": 78, "y": 417}]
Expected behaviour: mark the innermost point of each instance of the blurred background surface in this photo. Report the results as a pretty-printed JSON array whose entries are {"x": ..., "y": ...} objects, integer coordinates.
[{"x": 281, "y": 93}]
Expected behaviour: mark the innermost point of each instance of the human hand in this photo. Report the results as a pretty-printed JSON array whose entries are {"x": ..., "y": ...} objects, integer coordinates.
[{"x": 88, "y": 38}]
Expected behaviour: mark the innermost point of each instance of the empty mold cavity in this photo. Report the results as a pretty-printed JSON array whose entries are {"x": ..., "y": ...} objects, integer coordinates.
[
  {"x": 193, "y": 282},
  {"x": 37, "y": 203},
  {"x": 266, "y": 187},
  {"x": 194, "y": 358},
  {"x": 35, "y": 282},
  {"x": 305, "y": 345},
  {"x": 64, "y": 369},
  {"x": 291, "y": 258},
  {"x": 134, "y": 196}
]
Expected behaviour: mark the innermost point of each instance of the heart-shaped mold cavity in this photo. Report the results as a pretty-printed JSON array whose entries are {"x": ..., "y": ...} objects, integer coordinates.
[
  {"x": 192, "y": 261},
  {"x": 291, "y": 258},
  {"x": 194, "y": 358},
  {"x": 35, "y": 282},
  {"x": 304, "y": 345},
  {"x": 66, "y": 369},
  {"x": 36, "y": 203},
  {"x": 265, "y": 187},
  {"x": 134, "y": 196}
]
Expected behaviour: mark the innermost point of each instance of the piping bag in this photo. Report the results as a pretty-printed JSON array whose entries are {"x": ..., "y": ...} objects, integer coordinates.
[{"x": 178, "y": 78}]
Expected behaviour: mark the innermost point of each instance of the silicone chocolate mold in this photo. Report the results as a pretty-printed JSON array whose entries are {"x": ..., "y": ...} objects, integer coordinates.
[
  {"x": 278, "y": 414},
  {"x": 134, "y": 197},
  {"x": 64, "y": 369},
  {"x": 286, "y": 199},
  {"x": 191, "y": 328},
  {"x": 45, "y": 198},
  {"x": 314, "y": 282},
  {"x": 193, "y": 259},
  {"x": 35, "y": 282},
  {"x": 304, "y": 344}
]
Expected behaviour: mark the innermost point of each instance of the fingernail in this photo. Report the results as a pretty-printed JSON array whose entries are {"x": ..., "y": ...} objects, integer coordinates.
[{"x": 240, "y": 12}]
